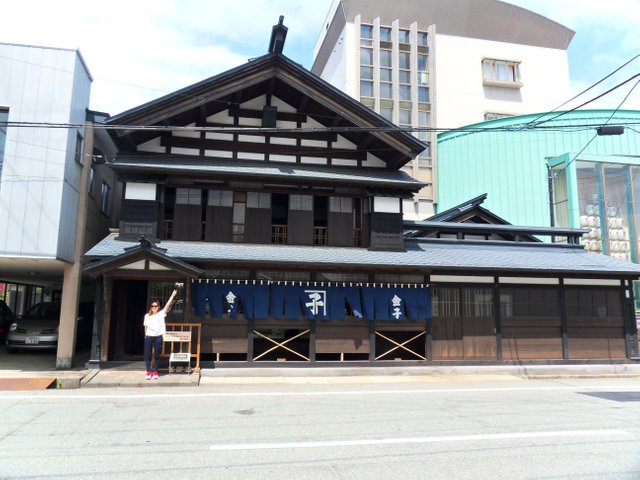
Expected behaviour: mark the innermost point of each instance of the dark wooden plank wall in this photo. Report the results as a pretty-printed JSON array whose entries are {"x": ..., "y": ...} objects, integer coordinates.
[
  {"x": 300, "y": 228},
  {"x": 187, "y": 222},
  {"x": 257, "y": 225},
  {"x": 530, "y": 338},
  {"x": 332, "y": 337},
  {"x": 218, "y": 225},
  {"x": 340, "y": 229}
]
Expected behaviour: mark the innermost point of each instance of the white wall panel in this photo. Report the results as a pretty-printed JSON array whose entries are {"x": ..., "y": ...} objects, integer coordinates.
[
  {"x": 68, "y": 218},
  {"x": 386, "y": 204},
  {"x": 140, "y": 191},
  {"x": 461, "y": 97},
  {"x": 151, "y": 146},
  {"x": 44, "y": 85}
]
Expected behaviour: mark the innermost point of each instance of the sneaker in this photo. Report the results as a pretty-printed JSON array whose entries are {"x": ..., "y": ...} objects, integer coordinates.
[
  {"x": 148, "y": 376},
  {"x": 155, "y": 376}
]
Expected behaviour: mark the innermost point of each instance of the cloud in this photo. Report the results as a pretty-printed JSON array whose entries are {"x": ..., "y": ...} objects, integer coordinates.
[{"x": 140, "y": 50}]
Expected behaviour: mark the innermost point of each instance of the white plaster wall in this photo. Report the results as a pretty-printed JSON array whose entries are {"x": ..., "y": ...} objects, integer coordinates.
[
  {"x": 40, "y": 178},
  {"x": 335, "y": 71},
  {"x": 461, "y": 97}
]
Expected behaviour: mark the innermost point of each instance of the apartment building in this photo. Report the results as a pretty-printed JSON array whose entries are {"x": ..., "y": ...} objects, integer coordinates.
[{"x": 433, "y": 65}]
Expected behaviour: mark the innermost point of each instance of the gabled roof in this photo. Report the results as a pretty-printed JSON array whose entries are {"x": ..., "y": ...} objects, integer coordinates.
[
  {"x": 143, "y": 256},
  {"x": 272, "y": 74},
  {"x": 469, "y": 211},
  {"x": 471, "y": 218}
]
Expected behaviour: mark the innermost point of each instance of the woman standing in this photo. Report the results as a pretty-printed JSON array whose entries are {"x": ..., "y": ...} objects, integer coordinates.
[{"x": 154, "y": 329}]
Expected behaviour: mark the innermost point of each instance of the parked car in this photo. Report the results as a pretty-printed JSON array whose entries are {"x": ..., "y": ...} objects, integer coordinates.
[
  {"x": 38, "y": 328},
  {"x": 7, "y": 317}
]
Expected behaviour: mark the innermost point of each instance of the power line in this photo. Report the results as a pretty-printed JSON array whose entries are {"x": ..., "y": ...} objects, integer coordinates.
[
  {"x": 249, "y": 130},
  {"x": 593, "y": 100},
  {"x": 585, "y": 90}
]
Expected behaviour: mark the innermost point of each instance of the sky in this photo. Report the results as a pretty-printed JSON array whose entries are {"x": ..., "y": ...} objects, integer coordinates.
[{"x": 139, "y": 50}]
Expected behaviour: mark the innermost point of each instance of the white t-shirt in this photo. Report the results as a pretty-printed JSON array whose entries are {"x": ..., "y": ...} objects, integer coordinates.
[{"x": 155, "y": 324}]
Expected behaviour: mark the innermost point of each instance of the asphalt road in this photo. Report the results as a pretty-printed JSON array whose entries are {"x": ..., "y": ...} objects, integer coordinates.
[{"x": 529, "y": 429}]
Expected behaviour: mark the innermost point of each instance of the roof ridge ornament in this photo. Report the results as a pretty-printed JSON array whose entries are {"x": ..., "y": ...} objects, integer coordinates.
[{"x": 278, "y": 36}]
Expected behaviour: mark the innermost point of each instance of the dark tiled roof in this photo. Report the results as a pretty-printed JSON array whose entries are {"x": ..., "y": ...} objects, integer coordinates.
[
  {"x": 260, "y": 170},
  {"x": 430, "y": 255}
]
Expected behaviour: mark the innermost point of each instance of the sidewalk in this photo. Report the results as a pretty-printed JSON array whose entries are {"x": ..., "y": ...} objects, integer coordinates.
[{"x": 37, "y": 371}]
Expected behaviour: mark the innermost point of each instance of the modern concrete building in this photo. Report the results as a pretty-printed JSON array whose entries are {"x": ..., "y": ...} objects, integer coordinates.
[
  {"x": 55, "y": 200},
  {"x": 429, "y": 65}
]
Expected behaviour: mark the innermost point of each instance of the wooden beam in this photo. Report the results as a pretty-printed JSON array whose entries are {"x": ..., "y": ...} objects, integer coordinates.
[
  {"x": 283, "y": 116},
  {"x": 322, "y": 136},
  {"x": 272, "y": 149}
]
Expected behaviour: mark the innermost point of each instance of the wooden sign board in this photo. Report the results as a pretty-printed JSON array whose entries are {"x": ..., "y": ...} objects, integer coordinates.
[
  {"x": 175, "y": 336},
  {"x": 179, "y": 357}
]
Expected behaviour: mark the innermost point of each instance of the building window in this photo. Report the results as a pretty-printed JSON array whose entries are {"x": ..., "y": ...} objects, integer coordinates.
[
  {"x": 423, "y": 77},
  {"x": 385, "y": 34},
  {"x": 403, "y": 36},
  {"x": 188, "y": 196},
  {"x": 423, "y": 123},
  {"x": 92, "y": 176},
  {"x": 404, "y": 65},
  {"x": 422, "y": 39},
  {"x": 501, "y": 72},
  {"x": 366, "y": 35},
  {"x": 495, "y": 115},
  {"x": 387, "y": 113},
  {"x": 366, "y": 62},
  {"x": 239, "y": 214},
  {"x": 301, "y": 202},
  {"x": 340, "y": 204},
  {"x": 385, "y": 83},
  {"x": 105, "y": 198},
  {"x": 258, "y": 200},
  {"x": 423, "y": 95},
  {"x": 424, "y": 159},
  {"x": 78, "y": 153},
  {"x": 366, "y": 88},
  {"x": 404, "y": 117},
  {"x": 4, "y": 117},
  {"x": 220, "y": 198}
]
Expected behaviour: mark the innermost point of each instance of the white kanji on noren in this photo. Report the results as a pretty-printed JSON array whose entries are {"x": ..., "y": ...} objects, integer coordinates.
[
  {"x": 231, "y": 300},
  {"x": 396, "y": 301},
  {"x": 318, "y": 300}
]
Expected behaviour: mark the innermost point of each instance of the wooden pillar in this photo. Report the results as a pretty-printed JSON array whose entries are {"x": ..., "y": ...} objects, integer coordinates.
[
  {"x": 629, "y": 318},
  {"x": 312, "y": 340},
  {"x": 428, "y": 342},
  {"x": 107, "y": 292},
  {"x": 98, "y": 317},
  {"x": 498, "y": 317},
  {"x": 563, "y": 321},
  {"x": 250, "y": 340},
  {"x": 67, "y": 331},
  {"x": 372, "y": 340}
]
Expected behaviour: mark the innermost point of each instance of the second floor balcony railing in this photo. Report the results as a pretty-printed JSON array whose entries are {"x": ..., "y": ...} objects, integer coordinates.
[
  {"x": 320, "y": 236},
  {"x": 278, "y": 234}
]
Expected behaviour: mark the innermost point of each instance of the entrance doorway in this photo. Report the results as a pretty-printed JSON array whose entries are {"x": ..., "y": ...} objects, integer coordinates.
[{"x": 128, "y": 309}]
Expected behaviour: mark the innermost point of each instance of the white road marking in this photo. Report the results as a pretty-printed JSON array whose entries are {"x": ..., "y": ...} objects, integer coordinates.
[
  {"x": 397, "y": 441},
  {"x": 57, "y": 394}
]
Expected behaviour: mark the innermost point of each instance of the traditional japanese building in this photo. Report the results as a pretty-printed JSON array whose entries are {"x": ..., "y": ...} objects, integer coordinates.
[{"x": 276, "y": 200}]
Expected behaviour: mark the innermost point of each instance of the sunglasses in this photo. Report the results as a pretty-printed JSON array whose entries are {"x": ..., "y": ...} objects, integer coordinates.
[{"x": 155, "y": 305}]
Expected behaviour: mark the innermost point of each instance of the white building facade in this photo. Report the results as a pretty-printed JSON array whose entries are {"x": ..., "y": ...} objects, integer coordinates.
[
  {"x": 54, "y": 197},
  {"x": 429, "y": 65}
]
